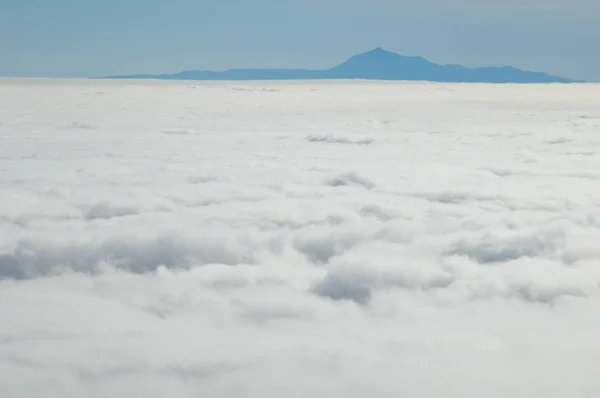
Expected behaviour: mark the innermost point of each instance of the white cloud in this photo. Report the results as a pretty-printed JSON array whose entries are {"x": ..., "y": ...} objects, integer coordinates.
[{"x": 229, "y": 240}]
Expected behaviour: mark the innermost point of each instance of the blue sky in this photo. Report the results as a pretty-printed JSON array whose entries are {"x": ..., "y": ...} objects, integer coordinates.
[{"x": 78, "y": 38}]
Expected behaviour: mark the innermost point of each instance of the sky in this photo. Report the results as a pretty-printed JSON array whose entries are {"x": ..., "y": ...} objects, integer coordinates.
[{"x": 73, "y": 38}]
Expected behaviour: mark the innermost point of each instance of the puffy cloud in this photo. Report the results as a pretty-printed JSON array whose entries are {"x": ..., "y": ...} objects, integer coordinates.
[{"x": 318, "y": 239}]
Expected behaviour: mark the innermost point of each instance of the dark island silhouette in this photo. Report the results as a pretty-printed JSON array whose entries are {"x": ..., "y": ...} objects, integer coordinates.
[{"x": 377, "y": 64}]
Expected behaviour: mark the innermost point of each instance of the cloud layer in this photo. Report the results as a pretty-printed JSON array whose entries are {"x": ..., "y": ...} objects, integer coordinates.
[{"x": 320, "y": 239}]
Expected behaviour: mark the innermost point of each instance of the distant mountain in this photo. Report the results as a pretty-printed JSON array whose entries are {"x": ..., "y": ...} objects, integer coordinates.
[{"x": 377, "y": 64}]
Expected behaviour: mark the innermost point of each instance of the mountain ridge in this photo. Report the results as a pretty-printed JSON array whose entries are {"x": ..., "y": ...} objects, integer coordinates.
[{"x": 377, "y": 64}]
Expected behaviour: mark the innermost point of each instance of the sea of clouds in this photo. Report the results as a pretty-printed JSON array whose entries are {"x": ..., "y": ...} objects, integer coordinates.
[{"x": 310, "y": 239}]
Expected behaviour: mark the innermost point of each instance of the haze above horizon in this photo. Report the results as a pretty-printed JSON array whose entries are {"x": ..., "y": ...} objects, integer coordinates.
[{"x": 68, "y": 38}]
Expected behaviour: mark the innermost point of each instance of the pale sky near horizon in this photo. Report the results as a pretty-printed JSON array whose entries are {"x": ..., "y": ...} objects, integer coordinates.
[{"x": 78, "y": 38}]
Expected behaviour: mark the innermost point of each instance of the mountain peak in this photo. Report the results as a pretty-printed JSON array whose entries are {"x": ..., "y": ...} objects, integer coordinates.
[
  {"x": 378, "y": 52},
  {"x": 382, "y": 64},
  {"x": 378, "y": 64},
  {"x": 381, "y": 55}
]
